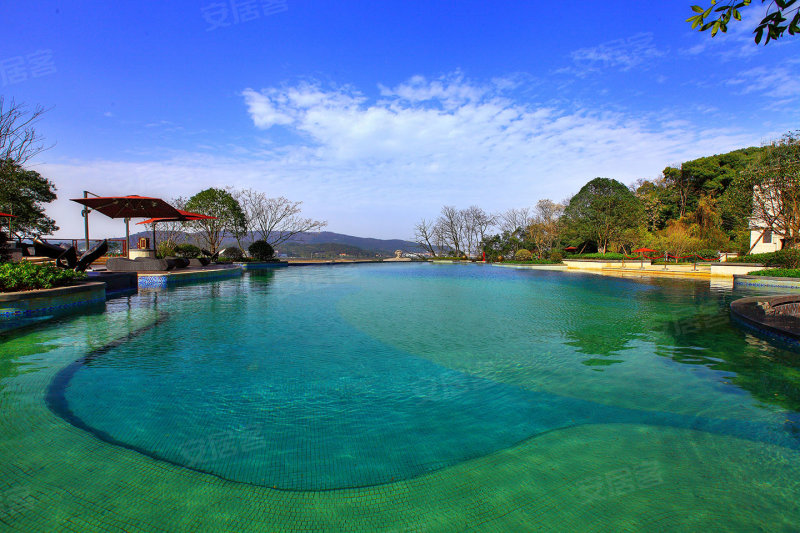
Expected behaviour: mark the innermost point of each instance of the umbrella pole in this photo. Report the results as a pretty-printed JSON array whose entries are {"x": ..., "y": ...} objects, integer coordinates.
[
  {"x": 128, "y": 237},
  {"x": 154, "y": 239},
  {"x": 86, "y": 221}
]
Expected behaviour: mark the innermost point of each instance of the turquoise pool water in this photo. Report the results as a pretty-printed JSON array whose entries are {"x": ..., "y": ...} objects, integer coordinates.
[{"x": 433, "y": 397}]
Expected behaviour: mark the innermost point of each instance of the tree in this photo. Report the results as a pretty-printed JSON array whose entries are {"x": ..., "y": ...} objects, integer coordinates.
[
  {"x": 601, "y": 211},
  {"x": 276, "y": 220},
  {"x": 19, "y": 141},
  {"x": 650, "y": 194},
  {"x": 773, "y": 183},
  {"x": 221, "y": 204},
  {"x": 477, "y": 223},
  {"x": 425, "y": 236},
  {"x": 515, "y": 219},
  {"x": 775, "y": 23},
  {"x": 22, "y": 193},
  {"x": 544, "y": 229},
  {"x": 451, "y": 224},
  {"x": 171, "y": 233}
]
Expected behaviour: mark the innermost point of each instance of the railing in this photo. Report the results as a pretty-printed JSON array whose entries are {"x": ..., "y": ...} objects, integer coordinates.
[{"x": 116, "y": 247}]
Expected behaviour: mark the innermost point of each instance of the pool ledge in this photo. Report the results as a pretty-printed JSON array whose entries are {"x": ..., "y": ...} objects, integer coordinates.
[
  {"x": 57, "y": 301},
  {"x": 262, "y": 265},
  {"x": 774, "y": 317}
]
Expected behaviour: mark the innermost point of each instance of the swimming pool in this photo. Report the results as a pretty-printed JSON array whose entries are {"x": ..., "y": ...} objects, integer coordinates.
[{"x": 401, "y": 397}]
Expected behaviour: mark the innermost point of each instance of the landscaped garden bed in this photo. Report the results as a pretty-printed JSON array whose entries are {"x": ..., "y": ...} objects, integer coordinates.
[{"x": 26, "y": 276}]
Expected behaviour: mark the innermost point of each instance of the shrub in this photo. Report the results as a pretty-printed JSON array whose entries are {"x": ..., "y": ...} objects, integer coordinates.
[
  {"x": 164, "y": 250},
  {"x": 523, "y": 255},
  {"x": 785, "y": 259},
  {"x": 781, "y": 259},
  {"x": 188, "y": 251},
  {"x": 232, "y": 252},
  {"x": 25, "y": 276},
  {"x": 261, "y": 250},
  {"x": 556, "y": 256},
  {"x": 777, "y": 273}
]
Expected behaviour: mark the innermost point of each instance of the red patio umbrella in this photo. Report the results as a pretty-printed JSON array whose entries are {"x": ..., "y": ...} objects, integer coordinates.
[
  {"x": 127, "y": 207},
  {"x": 183, "y": 216},
  {"x": 570, "y": 248}
]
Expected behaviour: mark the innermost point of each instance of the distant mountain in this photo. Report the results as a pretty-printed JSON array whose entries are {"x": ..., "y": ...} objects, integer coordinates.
[{"x": 366, "y": 244}]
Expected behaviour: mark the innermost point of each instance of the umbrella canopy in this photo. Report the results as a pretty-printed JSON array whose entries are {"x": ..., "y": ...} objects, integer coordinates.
[
  {"x": 129, "y": 206},
  {"x": 640, "y": 250},
  {"x": 185, "y": 216},
  {"x": 126, "y": 207},
  {"x": 571, "y": 248}
]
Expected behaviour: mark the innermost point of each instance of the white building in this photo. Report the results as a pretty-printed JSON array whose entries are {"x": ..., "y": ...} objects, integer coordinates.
[{"x": 764, "y": 240}]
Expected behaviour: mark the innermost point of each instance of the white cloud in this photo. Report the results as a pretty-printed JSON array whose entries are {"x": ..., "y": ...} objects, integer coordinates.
[
  {"x": 619, "y": 54},
  {"x": 373, "y": 166},
  {"x": 778, "y": 83}
]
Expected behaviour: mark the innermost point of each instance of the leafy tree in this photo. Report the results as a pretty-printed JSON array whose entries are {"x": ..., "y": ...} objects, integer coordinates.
[
  {"x": 601, "y": 211},
  {"x": 652, "y": 196},
  {"x": 544, "y": 231},
  {"x": 221, "y": 204},
  {"x": 22, "y": 193},
  {"x": 781, "y": 16}
]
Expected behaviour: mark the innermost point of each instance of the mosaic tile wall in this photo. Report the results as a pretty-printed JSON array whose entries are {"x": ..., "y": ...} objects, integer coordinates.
[
  {"x": 53, "y": 302},
  {"x": 759, "y": 281},
  {"x": 150, "y": 281}
]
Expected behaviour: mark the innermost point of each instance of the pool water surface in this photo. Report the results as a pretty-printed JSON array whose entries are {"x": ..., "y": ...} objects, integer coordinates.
[{"x": 411, "y": 396}]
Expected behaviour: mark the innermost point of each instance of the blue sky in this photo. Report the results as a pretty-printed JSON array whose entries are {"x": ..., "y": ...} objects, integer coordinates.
[{"x": 375, "y": 114}]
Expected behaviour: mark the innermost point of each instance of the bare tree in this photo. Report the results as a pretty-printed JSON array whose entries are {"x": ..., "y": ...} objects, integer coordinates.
[
  {"x": 425, "y": 234},
  {"x": 515, "y": 219},
  {"x": 19, "y": 141},
  {"x": 276, "y": 220},
  {"x": 451, "y": 222},
  {"x": 476, "y": 224},
  {"x": 172, "y": 233}
]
